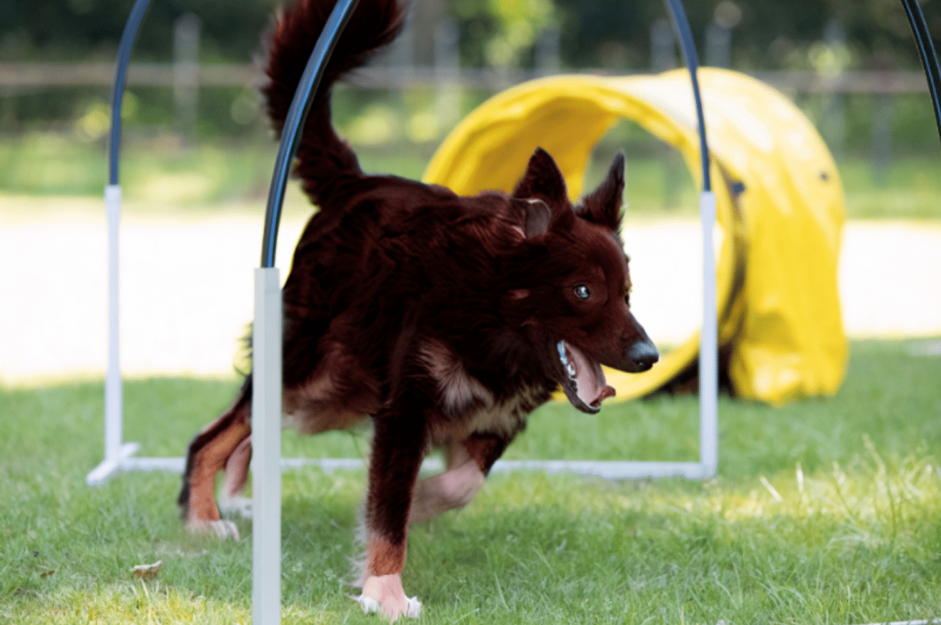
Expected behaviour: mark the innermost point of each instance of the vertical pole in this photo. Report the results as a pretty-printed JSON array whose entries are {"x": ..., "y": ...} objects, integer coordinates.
[
  {"x": 662, "y": 47},
  {"x": 186, "y": 32},
  {"x": 113, "y": 383},
  {"x": 718, "y": 45},
  {"x": 834, "y": 35},
  {"x": 548, "y": 51},
  {"x": 447, "y": 70},
  {"x": 266, "y": 448},
  {"x": 882, "y": 139},
  {"x": 708, "y": 344}
]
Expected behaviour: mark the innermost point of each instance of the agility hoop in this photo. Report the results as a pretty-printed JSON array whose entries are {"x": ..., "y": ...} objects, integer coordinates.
[
  {"x": 708, "y": 355},
  {"x": 116, "y": 452},
  {"x": 709, "y": 335}
]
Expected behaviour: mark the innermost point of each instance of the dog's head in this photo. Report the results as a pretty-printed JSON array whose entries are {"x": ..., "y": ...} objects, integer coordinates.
[{"x": 570, "y": 285}]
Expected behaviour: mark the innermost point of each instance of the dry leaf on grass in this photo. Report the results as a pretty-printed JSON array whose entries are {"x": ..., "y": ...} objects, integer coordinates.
[{"x": 147, "y": 571}]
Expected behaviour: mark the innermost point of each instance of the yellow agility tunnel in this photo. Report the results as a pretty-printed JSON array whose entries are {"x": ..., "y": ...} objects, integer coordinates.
[{"x": 780, "y": 210}]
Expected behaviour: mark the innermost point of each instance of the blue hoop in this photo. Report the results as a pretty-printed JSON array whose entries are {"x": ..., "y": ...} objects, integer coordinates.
[
  {"x": 928, "y": 58},
  {"x": 294, "y": 124},
  {"x": 120, "y": 79},
  {"x": 300, "y": 106},
  {"x": 688, "y": 46}
]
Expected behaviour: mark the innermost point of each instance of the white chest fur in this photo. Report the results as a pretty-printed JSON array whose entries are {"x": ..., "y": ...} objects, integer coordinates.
[{"x": 462, "y": 397}]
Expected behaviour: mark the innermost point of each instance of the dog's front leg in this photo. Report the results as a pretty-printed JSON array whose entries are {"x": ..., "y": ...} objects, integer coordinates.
[
  {"x": 399, "y": 444},
  {"x": 469, "y": 461}
]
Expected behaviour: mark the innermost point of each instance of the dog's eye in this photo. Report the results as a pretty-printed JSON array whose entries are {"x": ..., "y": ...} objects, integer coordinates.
[{"x": 582, "y": 292}]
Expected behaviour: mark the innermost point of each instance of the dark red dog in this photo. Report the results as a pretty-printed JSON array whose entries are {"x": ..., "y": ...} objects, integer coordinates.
[{"x": 444, "y": 319}]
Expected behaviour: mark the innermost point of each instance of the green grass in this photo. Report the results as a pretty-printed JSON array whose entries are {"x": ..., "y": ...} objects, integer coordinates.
[
  {"x": 826, "y": 510},
  {"x": 159, "y": 175}
]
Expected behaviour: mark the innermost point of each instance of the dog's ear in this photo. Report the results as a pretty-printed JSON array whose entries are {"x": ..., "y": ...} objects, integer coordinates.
[
  {"x": 542, "y": 180},
  {"x": 533, "y": 215},
  {"x": 603, "y": 205}
]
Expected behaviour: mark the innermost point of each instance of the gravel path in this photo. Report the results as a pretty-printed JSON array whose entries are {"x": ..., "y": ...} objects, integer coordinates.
[{"x": 186, "y": 288}]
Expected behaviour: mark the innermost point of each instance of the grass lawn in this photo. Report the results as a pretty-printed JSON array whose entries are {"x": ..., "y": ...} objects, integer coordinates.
[{"x": 824, "y": 511}]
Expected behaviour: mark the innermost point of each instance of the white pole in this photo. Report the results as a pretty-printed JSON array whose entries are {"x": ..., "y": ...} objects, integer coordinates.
[
  {"x": 266, "y": 449},
  {"x": 116, "y": 452},
  {"x": 113, "y": 384},
  {"x": 708, "y": 344}
]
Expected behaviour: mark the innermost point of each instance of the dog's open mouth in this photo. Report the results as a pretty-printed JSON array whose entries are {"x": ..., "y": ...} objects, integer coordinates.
[{"x": 584, "y": 383}]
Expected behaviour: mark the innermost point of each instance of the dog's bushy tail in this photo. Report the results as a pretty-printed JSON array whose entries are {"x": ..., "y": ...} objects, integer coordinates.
[{"x": 322, "y": 157}]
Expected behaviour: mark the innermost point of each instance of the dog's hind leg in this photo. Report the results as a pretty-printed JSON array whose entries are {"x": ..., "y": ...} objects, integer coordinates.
[
  {"x": 232, "y": 500},
  {"x": 207, "y": 455},
  {"x": 468, "y": 463}
]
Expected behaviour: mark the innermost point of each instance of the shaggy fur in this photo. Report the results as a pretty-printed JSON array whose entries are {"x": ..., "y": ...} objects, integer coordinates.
[{"x": 445, "y": 320}]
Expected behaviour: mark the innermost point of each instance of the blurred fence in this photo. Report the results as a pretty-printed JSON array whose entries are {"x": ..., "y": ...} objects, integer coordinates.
[
  {"x": 38, "y": 74},
  {"x": 426, "y": 57}
]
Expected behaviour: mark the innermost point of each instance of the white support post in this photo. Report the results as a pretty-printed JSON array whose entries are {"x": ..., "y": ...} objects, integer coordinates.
[
  {"x": 708, "y": 344},
  {"x": 114, "y": 398},
  {"x": 266, "y": 449},
  {"x": 115, "y": 451}
]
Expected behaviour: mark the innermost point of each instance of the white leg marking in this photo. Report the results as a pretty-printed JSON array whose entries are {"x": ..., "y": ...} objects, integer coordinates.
[
  {"x": 384, "y": 594},
  {"x": 222, "y": 529},
  {"x": 235, "y": 505}
]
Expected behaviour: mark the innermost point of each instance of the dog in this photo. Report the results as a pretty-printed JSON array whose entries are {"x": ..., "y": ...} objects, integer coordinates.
[{"x": 445, "y": 320}]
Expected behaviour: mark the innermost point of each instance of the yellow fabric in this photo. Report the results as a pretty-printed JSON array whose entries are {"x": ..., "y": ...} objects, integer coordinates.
[{"x": 778, "y": 305}]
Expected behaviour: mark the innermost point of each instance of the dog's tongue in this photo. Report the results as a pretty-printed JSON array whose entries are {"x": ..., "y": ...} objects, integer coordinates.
[{"x": 592, "y": 385}]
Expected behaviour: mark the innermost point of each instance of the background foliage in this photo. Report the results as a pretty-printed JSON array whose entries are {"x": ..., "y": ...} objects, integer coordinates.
[
  {"x": 823, "y": 38},
  {"x": 595, "y": 33}
]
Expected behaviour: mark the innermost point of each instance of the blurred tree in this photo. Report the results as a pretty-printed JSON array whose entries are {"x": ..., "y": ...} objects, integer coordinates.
[
  {"x": 607, "y": 34},
  {"x": 771, "y": 34},
  {"x": 91, "y": 29},
  {"x": 500, "y": 33}
]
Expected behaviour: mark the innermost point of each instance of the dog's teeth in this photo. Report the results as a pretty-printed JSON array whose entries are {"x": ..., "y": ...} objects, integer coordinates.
[{"x": 564, "y": 359}]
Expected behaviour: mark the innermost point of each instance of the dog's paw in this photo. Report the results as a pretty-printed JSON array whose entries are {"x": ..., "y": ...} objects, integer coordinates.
[
  {"x": 384, "y": 594},
  {"x": 236, "y": 505},
  {"x": 369, "y": 604},
  {"x": 412, "y": 606},
  {"x": 222, "y": 529}
]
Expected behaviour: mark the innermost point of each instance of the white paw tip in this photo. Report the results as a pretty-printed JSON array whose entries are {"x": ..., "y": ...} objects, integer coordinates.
[
  {"x": 369, "y": 604},
  {"x": 222, "y": 529},
  {"x": 237, "y": 505},
  {"x": 226, "y": 529},
  {"x": 412, "y": 605}
]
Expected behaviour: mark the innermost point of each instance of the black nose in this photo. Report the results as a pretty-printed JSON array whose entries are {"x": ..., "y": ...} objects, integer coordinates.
[{"x": 643, "y": 354}]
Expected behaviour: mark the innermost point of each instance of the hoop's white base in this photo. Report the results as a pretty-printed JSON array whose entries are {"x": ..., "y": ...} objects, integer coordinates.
[
  {"x": 606, "y": 469},
  {"x": 112, "y": 466}
]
